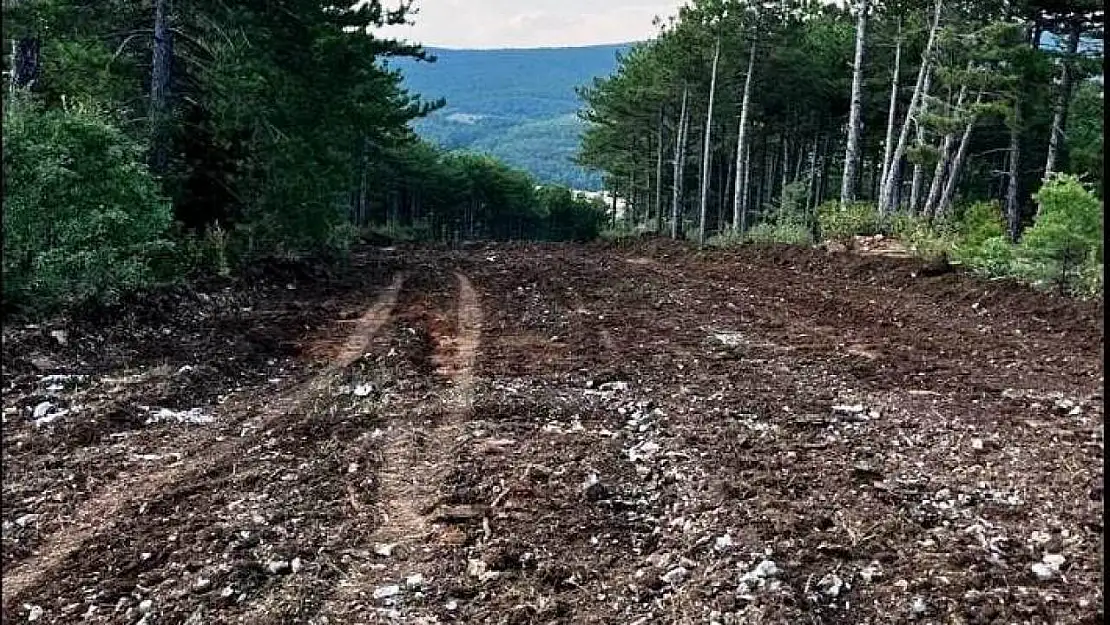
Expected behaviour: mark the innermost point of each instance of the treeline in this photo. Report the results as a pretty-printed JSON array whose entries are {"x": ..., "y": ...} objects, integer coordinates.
[
  {"x": 752, "y": 115},
  {"x": 149, "y": 140}
]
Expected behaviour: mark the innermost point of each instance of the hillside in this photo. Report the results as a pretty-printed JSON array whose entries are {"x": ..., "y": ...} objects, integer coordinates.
[{"x": 518, "y": 105}]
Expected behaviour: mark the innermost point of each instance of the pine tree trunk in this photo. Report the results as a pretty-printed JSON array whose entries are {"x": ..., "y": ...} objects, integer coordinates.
[
  {"x": 26, "y": 66},
  {"x": 705, "y": 160},
  {"x": 944, "y": 163},
  {"x": 785, "y": 173},
  {"x": 957, "y": 162},
  {"x": 742, "y": 148},
  {"x": 162, "y": 65},
  {"x": 887, "y": 188},
  {"x": 1060, "y": 112},
  {"x": 1013, "y": 209},
  {"x": 659, "y": 175},
  {"x": 745, "y": 192},
  {"x": 919, "y": 140},
  {"x": 855, "y": 119},
  {"x": 888, "y": 146},
  {"x": 679, "y": 158}
]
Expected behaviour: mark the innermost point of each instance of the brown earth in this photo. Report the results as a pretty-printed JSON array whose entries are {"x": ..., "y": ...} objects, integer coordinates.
[{"x": 560, "y": 434}]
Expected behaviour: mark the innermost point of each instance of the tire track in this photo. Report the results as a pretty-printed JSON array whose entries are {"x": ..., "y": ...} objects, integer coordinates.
[
  {"x": 101, "y": 512},
  {"x": 415, "y": 458}
]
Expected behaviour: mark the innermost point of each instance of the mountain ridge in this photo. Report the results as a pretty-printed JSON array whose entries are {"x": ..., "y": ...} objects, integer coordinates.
[{"x": 517, "y": 104}]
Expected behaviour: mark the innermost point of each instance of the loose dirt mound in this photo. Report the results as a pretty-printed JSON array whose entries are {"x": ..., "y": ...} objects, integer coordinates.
[{"x": 571, "y": 434}]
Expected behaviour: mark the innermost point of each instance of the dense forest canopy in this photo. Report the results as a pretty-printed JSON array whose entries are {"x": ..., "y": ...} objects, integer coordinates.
[
  {"x": 740, "y": 112},
  {"x": 143, "y": 139}
]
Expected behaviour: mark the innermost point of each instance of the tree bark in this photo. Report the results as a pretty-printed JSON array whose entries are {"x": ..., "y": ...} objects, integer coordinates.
[
  {"x": 745, "y": 193},
  {"x": 26, "y": 66},
  {"x": 659, "y": 175},
  {"x": 1060, "y": 114},
  {"x": 887, "y": 188},
  {"x": 888, "y": 146},
  {"x": 679, "y": 159},
  {"x": 957, "y": 162},
  {"x": 742, "y": 148},
  {"x": 705, "y": 160},
  {"x": 162, "y": 66},
  {"x": 918, "y": 168},
  {"x": 855, "y": 120},
  {"x": 1013, "y": 209}
]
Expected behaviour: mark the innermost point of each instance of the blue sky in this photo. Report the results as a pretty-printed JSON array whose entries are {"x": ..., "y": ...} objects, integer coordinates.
[{"x": 531, "y": 23}]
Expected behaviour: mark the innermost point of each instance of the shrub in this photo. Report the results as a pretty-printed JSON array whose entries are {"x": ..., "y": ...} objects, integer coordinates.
[
  {"x": 788, "y": 233},
  {"x": 993, "y": 256},
  {"x": 727, "y": 238},
  {"x": 1068, "y": 228},
  {"x": 979, "y": 222},
  {"x": 842, "y": 223},
  {"x": 83, "y": 217}
]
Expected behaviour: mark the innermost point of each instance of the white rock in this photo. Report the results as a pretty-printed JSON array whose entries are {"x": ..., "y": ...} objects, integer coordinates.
[
  {"x": 416, "y": 580},
  {"x": 202, "y": 583},
  {"x": 1043, "y": 571},
  {"x": 59, "y": 335},
  {"x": 848, "y": 409},
  {"x": 870, "y": 572},
  {"x": 384, "y": 549},
  {"x": 831, "y": 585},
  {"x": 384, "y": 592},
  {"x": 42, "y": 409},
  {"x": 362, "y": 390},
  {"x": 675, "y": 575},
  {"x": 1054, "y": 560},
  {"x": 26, "y": 519},
  {"x": 723, "y": 542},
  {"x": 296, "y": 565},
  {"x": 452, "y": 605},
  {"x": 977, "y": 444},
  {"x": 35, "y": 613},
  {"x": 918, "y": 607},
  {"x": 277, "y": 566},
  {"x": 475, "y": 568},
  {"x": 145, "y": 606},
  {"x": 762, "y": 571}
]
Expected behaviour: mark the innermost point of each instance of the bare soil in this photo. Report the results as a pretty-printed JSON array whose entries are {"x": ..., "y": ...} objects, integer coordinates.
[{"x": 560, "y": 434}]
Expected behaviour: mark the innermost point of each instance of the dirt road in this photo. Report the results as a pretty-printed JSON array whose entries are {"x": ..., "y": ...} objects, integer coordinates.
[{"x": 560, "y": 434}]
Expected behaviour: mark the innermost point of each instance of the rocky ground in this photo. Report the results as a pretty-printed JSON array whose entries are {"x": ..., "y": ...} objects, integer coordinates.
[{"x": 560, "y": 434}]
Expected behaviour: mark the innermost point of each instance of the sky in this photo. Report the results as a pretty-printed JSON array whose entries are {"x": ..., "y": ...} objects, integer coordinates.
[{"x": 531, "y": 23}]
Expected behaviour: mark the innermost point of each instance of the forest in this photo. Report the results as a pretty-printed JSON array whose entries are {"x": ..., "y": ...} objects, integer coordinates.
[
  {"x": 969, "y": 129},
  {"x": 268, "y": 357},
  {"x": 148, "y": 141}
]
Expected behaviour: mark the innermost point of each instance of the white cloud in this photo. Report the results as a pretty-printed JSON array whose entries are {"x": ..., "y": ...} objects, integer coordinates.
[{"x": 532, "y": 24}]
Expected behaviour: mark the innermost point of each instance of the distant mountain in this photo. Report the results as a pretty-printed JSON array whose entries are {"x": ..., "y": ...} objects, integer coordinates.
[{"x": 516, "y": 104}]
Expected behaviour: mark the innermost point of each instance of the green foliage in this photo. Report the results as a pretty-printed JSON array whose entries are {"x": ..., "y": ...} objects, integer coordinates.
[
  {"x": 1068, "y": 228},
  {"x": 842, "y": 223},
  {"x": 787, "y": 233},
  {"x": 569, "y": 218},
  {"x": 82, "y": 215},
  {"x": 979, "y": 222},
  {"x": 728, "y": 238}
]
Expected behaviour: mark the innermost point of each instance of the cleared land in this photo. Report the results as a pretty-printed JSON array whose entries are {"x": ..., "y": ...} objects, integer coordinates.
[{"x": 561, "y": 434}]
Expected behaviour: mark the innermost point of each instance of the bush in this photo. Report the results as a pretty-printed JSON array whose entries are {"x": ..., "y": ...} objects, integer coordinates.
[
  {"x": 1068, "y": 227},
  {"x": 727, "y": 238},
  {"x": 841, "y": 224},
  {"x": 788, "y": 233},
  {"x": 83, "y": 217},
  {"x": 979, "y": 222},
  {"x": 993, "y": 257}
]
